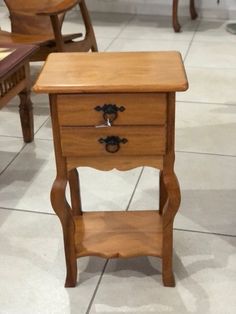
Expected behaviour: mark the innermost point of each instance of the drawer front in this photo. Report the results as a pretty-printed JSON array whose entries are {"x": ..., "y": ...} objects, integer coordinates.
[
  {"x": 121, "y": 141},
  {"x": 123, "y": 109}
]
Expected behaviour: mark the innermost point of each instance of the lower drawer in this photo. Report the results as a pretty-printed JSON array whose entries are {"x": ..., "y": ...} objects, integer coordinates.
[{"x": 136, "y": 140}]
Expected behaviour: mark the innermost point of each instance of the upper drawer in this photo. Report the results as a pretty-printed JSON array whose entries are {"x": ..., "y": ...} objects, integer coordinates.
[{"x": 126, "y": 109}]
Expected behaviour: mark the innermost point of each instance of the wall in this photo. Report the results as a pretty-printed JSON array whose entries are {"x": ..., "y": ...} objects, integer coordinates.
[{"x": 205, "y": 8}]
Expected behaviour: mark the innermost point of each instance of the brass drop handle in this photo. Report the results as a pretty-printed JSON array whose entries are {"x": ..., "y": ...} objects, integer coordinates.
[
  {"x": 112, "y": 143},
  {"x": 110, "y": 111}
]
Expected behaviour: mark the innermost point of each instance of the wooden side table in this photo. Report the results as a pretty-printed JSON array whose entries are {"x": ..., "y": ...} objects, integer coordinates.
[
  {"x": 15, "y": 80},
  {"x": 114, "y": 110}
]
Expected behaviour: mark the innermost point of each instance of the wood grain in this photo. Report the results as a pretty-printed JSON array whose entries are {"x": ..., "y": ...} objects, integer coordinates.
[{"x": 119, "y": 234}]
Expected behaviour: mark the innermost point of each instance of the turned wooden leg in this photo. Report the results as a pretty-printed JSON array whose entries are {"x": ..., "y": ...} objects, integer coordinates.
[
  {"x": 162, "y": 194},
  {"x": 75, "y": 192},
  {"x": 193, "y": 11},
  {"x": 26, "y": 115},
  {"x": 63, "y": 211},
  {"x": 175, "y": 21}
]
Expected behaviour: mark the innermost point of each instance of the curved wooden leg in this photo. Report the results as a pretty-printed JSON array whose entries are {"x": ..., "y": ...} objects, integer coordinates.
[
  {"x": 173, "y": 192},
  {"x": 75, "y": 192},
  {"x": 175, "y": 21},
  {"x": 193, "y": 11},
  {"x": 162, "y": 194},
  {"x": 63, "y": 211},
  {"x": 26, "y": 115}
]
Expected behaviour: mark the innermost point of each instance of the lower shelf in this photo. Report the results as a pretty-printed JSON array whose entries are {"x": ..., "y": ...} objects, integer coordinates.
[{"x": 119, "y": 234}]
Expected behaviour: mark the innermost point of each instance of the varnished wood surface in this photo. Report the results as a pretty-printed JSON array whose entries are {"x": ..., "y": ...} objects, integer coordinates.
[
  {"x": 112, "y": 72},
  {"x": 141, "y": 140},
  {"x": 115, "y": 162},
  {"x": 139, "y": 109},
  {"x": 119, "y": 234}
]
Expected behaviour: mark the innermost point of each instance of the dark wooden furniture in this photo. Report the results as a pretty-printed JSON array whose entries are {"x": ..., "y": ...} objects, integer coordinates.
[
  {"x": 15, "y": 80},
  {"x": 114, "y": 110},
  {"x": 175, "y": 20},
  {"x": 40, "y": 23}
]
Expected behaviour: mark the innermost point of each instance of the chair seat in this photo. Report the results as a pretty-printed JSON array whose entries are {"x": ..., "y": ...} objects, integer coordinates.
[{"x": 40, "y": 40}]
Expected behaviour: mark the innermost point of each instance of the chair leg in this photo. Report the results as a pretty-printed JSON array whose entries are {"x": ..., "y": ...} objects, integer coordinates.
[
  {"x": 193, "y": 11},
  {"x": 89, "y": 36},
  {"x": 175, "y": 21}
]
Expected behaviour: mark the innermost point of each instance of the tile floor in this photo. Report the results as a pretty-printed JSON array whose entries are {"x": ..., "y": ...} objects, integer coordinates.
[{"x": 32, "y": 265}]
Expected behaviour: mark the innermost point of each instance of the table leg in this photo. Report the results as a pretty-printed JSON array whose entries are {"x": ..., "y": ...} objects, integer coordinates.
[
  {"x": 26, "y": 115},
  {"x": 75, "y": 192},
  {"x": 63, "y": 211},
  {"x": 162, "y": 194}
]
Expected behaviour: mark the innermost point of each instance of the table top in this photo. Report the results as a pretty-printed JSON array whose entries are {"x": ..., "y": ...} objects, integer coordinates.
[
  {"x": 19, "y": 53},
  {"x": 105, "y": 72}
]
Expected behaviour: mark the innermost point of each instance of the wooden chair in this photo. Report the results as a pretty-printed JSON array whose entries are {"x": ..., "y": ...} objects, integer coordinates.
[
  {"x": 175, "y": 21},
  {"x": 40, "y": 23}
]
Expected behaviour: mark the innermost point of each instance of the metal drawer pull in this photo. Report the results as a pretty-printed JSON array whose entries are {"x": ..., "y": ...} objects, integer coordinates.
[
  {"x": 110, "y": 111},
  {"x": 112, "y": 143}
]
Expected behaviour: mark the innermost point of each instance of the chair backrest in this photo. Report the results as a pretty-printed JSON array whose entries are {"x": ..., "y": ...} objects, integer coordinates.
[{"x": 24, "y": 20}]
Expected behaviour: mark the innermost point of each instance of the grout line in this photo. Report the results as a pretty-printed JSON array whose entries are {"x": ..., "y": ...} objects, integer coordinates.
[
  {"x": 42, "y": 125},
  {"x": 13, "y": 159},
  {"x": 204, "y": 153},
  {"x": 117, "y": 36},
  {"x": 206, "y": 232},
  {"x": 96, "y": 289},
  {"x": 27, "y": 211},
  {"x": 206, "y": 103},
  {"x": 134, "y": 190}
]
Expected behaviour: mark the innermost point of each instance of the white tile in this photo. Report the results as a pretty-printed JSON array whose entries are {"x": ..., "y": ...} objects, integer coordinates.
[
  {"x": 33, "y": 268},
  {"x": 213, "y": 31},
  {"x": 158, "y": 28},
  {"x": 208, "y": 195},
  {"x": 205, "y": 272},
  {"x": 9, "y": 148},
  {"x": 208, "y": 184},
  {"x": 212, "y": 55},
  {"x": 10, "y": 119},
  {"x": 210, "y": 85},
  {"x": 203, "y": 127},
  {"x": 121, "y": 44},
  {"x": 26, "y": 184}
]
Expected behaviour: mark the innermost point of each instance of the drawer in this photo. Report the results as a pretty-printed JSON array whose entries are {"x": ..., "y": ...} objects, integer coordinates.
[
  {"x": 126, "y": 109},
  {"x": 121, "y": 141}
]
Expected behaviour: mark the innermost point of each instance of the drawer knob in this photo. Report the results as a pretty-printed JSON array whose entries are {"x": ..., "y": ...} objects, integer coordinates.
[
  {"x": 112, "y": 143},
  {"x": 110, "y": 111}
]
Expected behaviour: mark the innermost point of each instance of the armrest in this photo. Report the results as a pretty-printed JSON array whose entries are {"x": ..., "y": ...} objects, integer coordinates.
[{"x": 62, "y": 7}]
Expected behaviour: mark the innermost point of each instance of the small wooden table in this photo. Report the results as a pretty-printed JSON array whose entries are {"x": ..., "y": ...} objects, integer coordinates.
[
  {"x": 114, "y": 110},
  {"x": 15, "y": 80}
]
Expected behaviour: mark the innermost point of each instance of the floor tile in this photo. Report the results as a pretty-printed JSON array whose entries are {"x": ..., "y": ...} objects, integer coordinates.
[
  {"x": 208, "y": 196},
  {"x": 33, "y": 269},
  {"x": 213, "y": 31},
  {"x": 208, "y": 184},
  {"x": 26, "y": 184},
  {"x": 212, "y": 55},
  {"x": 121, "y": 44},
  {"x": 158, "y": 28},
  {"x": 10, "y": 119},
  {"x": 210, "y": 86},
  {"x": 9, "y": 148},
  {"x": 207, "y": 128},
  {"x": 204, "y": 267}
]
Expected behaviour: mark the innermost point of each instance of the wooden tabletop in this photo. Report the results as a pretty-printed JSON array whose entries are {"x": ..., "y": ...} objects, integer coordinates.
[
  {"x": 19, "y": 53},
  {"x": 112, "y": 72}
]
